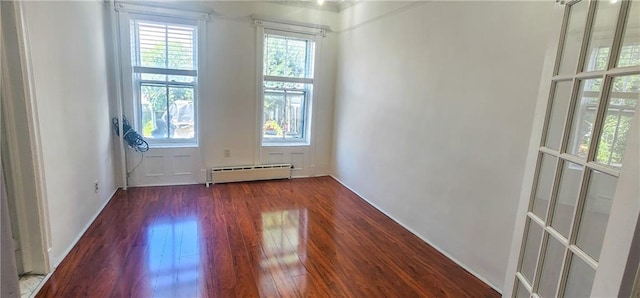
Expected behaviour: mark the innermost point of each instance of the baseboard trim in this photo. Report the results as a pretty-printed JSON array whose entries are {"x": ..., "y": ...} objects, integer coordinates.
[
  {"x": 425, "y": 239},
  {"x": 73, "y": 244},
  {"x": 211, "y": 183},
  {"x": 164, "y": 184}
]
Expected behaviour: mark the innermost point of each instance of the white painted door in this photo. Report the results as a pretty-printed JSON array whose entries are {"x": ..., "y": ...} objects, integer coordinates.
[{"x": 591, "y": 107}]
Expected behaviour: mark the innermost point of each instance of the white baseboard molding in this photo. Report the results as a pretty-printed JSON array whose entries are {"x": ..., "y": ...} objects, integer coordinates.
[
  {"x": 165, "y": 184},
  {"x": 203, "y": 183},
  {"x": 73, "y": 244},
  {"x": 421, "y": 237},
  {"x": 196, "y": 183}
]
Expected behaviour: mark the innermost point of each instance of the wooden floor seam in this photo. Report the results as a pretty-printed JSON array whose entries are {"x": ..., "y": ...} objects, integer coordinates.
[{"x": 308, "y": 237}]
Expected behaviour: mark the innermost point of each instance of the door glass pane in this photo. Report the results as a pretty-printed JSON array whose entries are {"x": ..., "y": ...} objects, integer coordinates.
[
  {"x": 595, "y": 214},
  {"x": 551, "y": 268},
  {"x": 580, "y": 279},
  {"x": 521, "y": 291},
  {"x": 625, "y": 92},
  {"x": 543, "y": 189},
  {"x": 559, "y": 107},
  {"x": 602, "y": 35},
  {"x": 630, "y": 50},
  {"x": 584, "y": 117},
  {"x": 573, "y": 38},
  {"x": 567, "y": 197},
  {"x": 531, "y": 251}
]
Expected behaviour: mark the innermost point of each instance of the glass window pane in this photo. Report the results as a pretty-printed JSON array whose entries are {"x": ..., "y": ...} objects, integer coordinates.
[
  {"x": 153, "y": 77},
  {"x": 152, "y": 44},
  {"x": 630, "y": 50},
  {"x": 595, "y": 215},
  {"x": 624, "y": 96},
  {"x": 166, "y": 78},
  {"x": 284, "y": 112},
  {"x": 543, "y": 189},
  {"x": 601, "y": 39},
  {"x": 180, "y": 47},
  {"x": 181, "y": 112},
  {"x": 531, "y": 251},
  {"x": 294, "y": 117},
  {"x": 283, "y": 85},
  {"x": 584, "y": 117},
  {"x": 559, "y": 108},
  {"x": 163, "y": 45},
  {"x": 288, "y": 56},
  {"x": 180, "y": 79},
  {"x": 551, "y": 267},
  {"x": 521, "y": 291},
  {"x": 567, "y": 197},
  {"x": 154, "y": 108},
  {"x": 573, "y": 37},
  {"x": 580, "y": 279},
  {"x": 274, "y": 103}
]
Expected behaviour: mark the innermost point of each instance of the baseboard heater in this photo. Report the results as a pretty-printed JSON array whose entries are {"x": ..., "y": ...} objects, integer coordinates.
[{"x": 250, "y": 173}]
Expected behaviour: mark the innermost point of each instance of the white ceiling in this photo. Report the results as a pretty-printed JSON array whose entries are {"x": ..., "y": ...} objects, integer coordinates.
[{"x": 329, "y": 5}]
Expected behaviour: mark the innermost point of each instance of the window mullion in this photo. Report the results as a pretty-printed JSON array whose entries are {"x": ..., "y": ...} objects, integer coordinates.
[
  {"x": 168, "y": 112},
  {"x": 284, "y": 114},
  {"x": 617, "y": 39}
]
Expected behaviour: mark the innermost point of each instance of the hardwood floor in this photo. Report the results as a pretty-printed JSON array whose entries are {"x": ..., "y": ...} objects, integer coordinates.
[{"x": 286, "y": 238}]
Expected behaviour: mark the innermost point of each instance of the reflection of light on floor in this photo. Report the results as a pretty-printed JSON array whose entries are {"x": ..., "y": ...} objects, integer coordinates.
[
  {"x": 284, "y": 237},
  {"x": 173, "y": 258}
]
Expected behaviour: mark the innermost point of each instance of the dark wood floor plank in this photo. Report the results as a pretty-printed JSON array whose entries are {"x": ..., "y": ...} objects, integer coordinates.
[{"x": 285, "y": 238}]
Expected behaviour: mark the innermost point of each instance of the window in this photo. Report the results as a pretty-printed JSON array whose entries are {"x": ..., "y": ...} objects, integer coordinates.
[
  {"x": 629, "y": 56},
  {"x": 620, "y": 109},
  {"x": 165, "y": 75},
  {"x": 287, "y": 87}
]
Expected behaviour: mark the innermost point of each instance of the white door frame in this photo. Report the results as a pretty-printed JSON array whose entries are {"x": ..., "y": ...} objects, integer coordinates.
[{"x": 30, "y": 198}]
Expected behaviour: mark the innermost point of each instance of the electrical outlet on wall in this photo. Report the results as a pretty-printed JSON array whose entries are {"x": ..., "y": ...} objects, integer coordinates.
[
  {"x": 227, "y": 152},
  {"x": 95, "y": 186}
]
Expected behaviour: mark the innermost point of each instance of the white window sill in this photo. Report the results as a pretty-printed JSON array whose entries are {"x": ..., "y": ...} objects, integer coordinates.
[{"x": 172, "y": 145}]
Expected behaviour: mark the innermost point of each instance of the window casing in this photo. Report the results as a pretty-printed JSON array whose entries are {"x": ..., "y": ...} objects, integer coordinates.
[
  {"x": 287, "y": 87},
  {"x": 164, "y": 72}
]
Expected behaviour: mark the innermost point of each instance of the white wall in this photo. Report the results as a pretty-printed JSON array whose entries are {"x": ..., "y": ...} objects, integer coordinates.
[
  {"x": 227, "y": 107},
  {"x": 434, "y": 107},
  {"x": 70, "y": 79}
]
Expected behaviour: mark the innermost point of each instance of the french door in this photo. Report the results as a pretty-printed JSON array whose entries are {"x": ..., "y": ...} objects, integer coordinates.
[{"x": 592, "y": 102}]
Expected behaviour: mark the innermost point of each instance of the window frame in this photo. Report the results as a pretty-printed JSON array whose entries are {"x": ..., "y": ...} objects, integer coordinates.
[
  {"x": 308, "y": 90},
  {"x": 131, "y": 72}
]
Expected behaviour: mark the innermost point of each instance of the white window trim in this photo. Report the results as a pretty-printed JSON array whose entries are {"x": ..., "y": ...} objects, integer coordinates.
[
  {"x": 158, "y": 13},
  {"x": 305, "y": 29},
  {"x": 159, "y": 9},
  {"x": 297, "y": 30}
]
